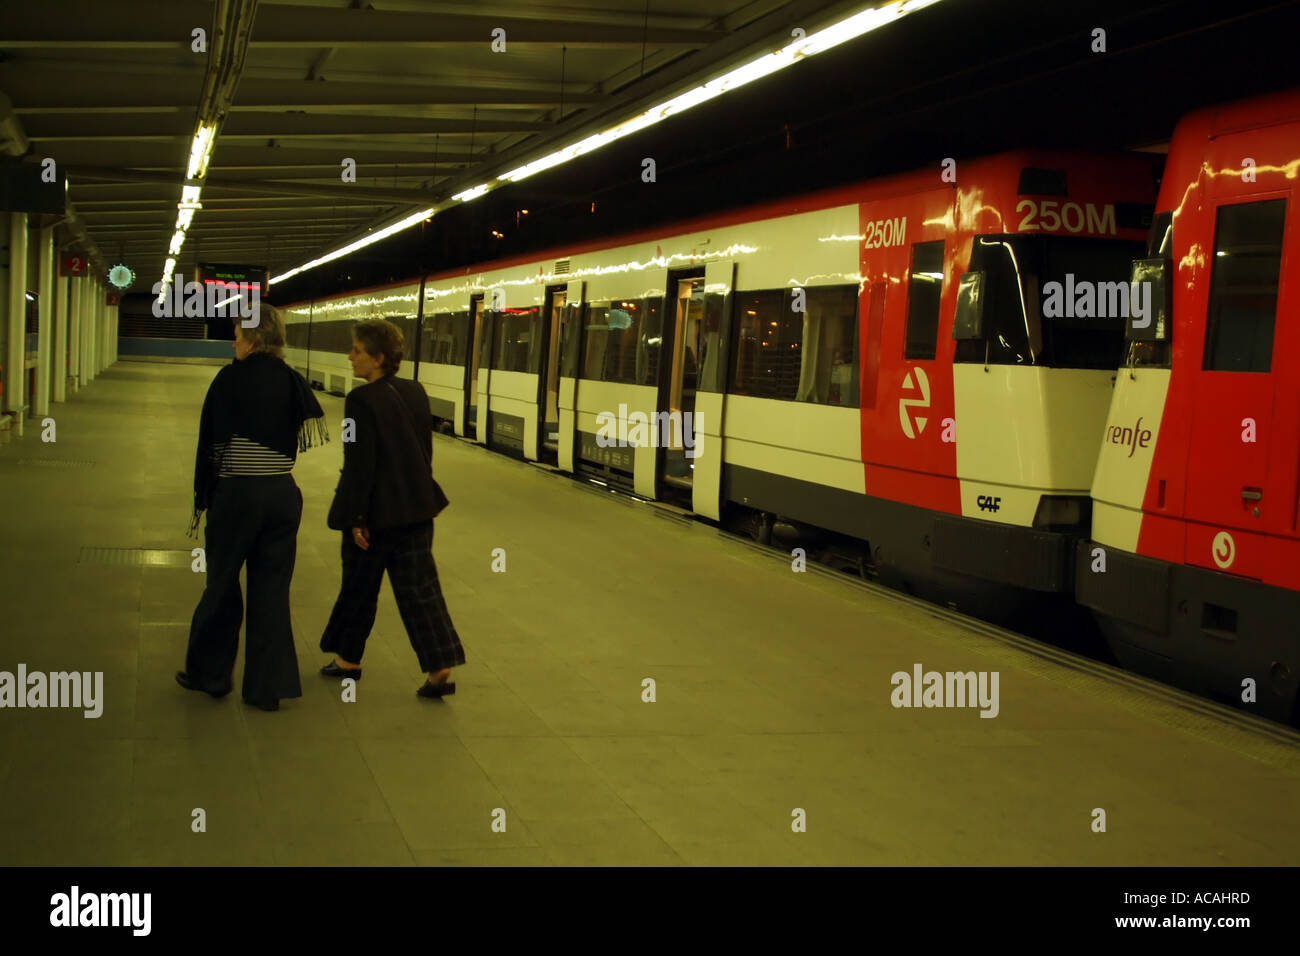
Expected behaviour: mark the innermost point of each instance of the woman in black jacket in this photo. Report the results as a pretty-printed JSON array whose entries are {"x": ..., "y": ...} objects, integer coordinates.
[
  {"x": 384, "y": 505},
  {"x": 257, "y": 416}
]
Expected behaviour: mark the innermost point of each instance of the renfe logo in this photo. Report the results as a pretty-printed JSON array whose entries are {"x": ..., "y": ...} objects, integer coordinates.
[
  {"x": 1135, "y": 437},
  {"x": 915, "y": 380}
]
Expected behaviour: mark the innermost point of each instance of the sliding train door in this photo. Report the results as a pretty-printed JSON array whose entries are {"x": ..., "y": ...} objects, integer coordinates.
[
  {"x": 570, "y": 358},
  {"x": 476, "y": 371},
  {"x": 712, "y": 337}
]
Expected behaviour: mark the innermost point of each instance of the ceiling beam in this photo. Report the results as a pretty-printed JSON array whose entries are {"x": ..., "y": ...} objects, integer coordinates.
[
  {"x": 345, "y": 192},
  {"x": 43, "y": 89},
  {"x": 246, "y": 155},
  {"x": 145, "y": 24},
  {"x": 263, "y": 126}
]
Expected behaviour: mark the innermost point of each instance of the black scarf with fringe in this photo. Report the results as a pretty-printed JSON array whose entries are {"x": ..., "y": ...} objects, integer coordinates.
[{"x": 259, "y": 398}]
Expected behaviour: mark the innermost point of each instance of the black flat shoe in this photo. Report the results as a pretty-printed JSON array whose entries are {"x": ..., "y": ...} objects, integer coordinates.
[
  {"x": 184, "y": 680},
  {"x": 264, "y": 704},
  {"x": 437, "y": 691},
  {"x": 333, "y": 670}
]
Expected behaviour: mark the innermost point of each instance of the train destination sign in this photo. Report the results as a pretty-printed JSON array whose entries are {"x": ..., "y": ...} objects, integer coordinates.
[{"x": 235, "y": 277}]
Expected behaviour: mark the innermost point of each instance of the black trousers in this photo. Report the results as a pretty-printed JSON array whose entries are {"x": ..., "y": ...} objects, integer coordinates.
[
  {"x": 407, "y": 555},
  {"x": 251, "y": 521}
]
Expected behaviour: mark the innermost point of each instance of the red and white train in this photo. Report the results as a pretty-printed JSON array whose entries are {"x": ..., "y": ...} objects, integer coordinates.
[
  {"x": 870, "y": 362},
  {"x": 1193, "y": 569}
]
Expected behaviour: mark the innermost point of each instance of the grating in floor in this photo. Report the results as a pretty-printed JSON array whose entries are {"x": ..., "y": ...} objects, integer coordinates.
[
  {"x": 135, "y": 557},
  {"x": 58, "y": 462}
]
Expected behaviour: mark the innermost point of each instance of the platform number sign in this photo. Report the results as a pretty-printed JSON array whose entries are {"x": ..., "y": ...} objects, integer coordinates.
[{"x": 73, "y": 265}]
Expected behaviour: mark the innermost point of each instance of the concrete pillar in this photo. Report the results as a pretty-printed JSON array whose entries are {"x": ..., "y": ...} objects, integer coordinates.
[
  {"x": 112, "y": 334},
  {"x": 91, "y": 330},
  {"x": 45, "y": 326},
  {"x": 99, "y": 330},
  {"x": 75, "y": 285},
  {"x": 4, "y": 310},
  {"x": 16, "y": 354},
  {"x": 102, "y": 354},
  {"x": 59, "y": 368},
  {"x": 104, "y": 319}
]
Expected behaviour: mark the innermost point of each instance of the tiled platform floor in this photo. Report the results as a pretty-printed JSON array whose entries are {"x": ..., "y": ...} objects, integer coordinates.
[{"x": 773, "y": 694}]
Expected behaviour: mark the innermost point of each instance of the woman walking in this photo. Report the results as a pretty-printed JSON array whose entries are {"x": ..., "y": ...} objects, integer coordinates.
[
  {"x": 384, "y": 505},
  {"x": 257, "y": 416}
]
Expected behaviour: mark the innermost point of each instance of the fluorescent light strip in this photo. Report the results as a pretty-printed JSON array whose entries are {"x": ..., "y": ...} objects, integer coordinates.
[
  {"x": 829, "y": 38},
  {"x": 200, "y": 154},
  {"x": 360, "y": 243}
]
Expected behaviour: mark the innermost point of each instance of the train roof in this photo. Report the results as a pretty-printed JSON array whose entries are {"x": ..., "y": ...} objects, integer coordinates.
[{"x": 1006, "y": 164}]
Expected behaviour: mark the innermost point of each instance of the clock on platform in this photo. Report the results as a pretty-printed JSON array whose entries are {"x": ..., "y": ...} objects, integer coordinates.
[{"x": 121, "y": 276}]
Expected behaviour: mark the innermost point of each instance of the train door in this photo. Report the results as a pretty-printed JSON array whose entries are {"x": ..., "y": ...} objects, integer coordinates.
[
  {"x": 570, "y": 360},
  {"x": 415, "y": 343},
  {"x": 1240, "y": 476},
  {"x": 480, "y": 346},
  {"x": 711, "y": 393},
  {"x": 548, "y": 386},
  {"x": 674, "y": 434}
]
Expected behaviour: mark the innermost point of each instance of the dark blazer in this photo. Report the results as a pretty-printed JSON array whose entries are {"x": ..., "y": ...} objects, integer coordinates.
[{"x": 387, "y": 479}]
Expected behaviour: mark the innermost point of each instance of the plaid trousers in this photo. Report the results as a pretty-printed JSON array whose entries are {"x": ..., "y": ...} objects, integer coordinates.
[{"x": 407, "y": 555}]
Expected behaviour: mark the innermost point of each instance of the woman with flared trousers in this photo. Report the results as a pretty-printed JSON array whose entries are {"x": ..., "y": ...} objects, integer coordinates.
[{"x": 385, "y": 505}]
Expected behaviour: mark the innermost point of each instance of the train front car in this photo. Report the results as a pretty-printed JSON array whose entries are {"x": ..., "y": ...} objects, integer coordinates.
[
  {"x": 991, "y": 329},
  {"x": 1194, "y": 567}
]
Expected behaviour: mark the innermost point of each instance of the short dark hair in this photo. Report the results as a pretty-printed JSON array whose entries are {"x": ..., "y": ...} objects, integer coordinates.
[{"x": 378, "y": 336}]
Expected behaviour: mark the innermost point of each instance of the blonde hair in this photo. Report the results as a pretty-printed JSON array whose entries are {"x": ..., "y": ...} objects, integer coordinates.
[{"x": 268, "y": 334}]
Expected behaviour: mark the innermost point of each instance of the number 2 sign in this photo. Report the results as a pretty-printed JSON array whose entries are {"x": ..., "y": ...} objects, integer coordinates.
[{"x": 73, "y": 266}]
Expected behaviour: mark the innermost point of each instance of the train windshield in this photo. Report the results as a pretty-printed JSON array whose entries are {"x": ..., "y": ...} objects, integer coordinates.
[{"x": 1058, "y": 301}]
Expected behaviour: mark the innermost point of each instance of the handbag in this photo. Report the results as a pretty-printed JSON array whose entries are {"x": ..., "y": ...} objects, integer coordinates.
[{"x": 439, "y": 496}]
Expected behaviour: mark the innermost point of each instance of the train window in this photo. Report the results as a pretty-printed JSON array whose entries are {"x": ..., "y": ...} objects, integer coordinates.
[
  {"x": 613, "y": 331},
  {"x": 1243, "y": 287},
  {"x": 923, "y": 287},
  {"x": 713, "y": 369},
  {"x": 808, "y": 356},
  {"x": 442, "y": 341},
  {"x": 295, "y": 334},
  {"x": 332, "y": 336},
  {"x": 516, "y": 329},
  {"x": 649, "y": 341},
  {"x": 1059, "y": 301},
  {"x": 1085, "y": 299},
  {"x": 767, "y": 345},
  {"x": 1160, "y": 242},
  {"x": 1006, "y": 294},
  {"x": 406, "y": 325}
]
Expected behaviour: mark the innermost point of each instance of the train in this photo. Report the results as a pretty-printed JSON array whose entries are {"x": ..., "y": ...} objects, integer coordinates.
[
  {"x": 920, "y": 377},
  {"x": 1192, "y": 568}
]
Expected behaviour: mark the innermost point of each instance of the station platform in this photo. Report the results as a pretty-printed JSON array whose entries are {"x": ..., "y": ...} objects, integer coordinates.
[{"x": 773, "y": 694}]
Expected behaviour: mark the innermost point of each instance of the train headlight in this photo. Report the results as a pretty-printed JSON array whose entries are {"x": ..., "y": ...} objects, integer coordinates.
[{"x": 1062, "y": 513}]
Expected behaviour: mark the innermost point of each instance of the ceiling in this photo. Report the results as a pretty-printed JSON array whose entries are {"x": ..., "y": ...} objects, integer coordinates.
[{"x": 412, "y": 92}]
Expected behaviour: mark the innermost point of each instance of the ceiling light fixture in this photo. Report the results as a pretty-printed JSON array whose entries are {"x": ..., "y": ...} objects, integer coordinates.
[{"x": 832, "y": 36}]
